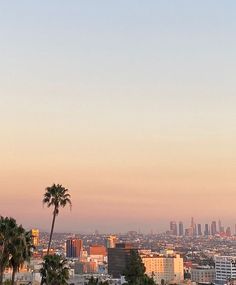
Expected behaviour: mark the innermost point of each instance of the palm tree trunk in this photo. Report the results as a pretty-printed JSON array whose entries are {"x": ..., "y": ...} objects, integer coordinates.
[
  {"x": 52, "y": 228},
  {"x": 1, "y": 275},
  {"x": 13, "y": 276}
]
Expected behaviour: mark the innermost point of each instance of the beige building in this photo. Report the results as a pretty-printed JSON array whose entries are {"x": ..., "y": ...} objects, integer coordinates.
[
  {"x": 166, "y": 266},
  {"x": 35, "y": 236}
]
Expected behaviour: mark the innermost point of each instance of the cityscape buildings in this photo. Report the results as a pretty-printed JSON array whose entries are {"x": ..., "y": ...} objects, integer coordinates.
[
  {"x": 196, "y": 229},
  {"x": 197, "y": 256},
  {"x": 74, "y": 248}
]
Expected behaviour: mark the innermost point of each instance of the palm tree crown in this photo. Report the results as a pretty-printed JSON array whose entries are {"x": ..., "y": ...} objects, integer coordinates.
[{"x": 57, "y": 196}]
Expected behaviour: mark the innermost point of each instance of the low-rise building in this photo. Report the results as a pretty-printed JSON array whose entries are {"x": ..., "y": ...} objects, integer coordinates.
[
  {"x": 203, "y": 274},
  {"x": 225, "y": 269},
  {"x": 166, "y": 266}
]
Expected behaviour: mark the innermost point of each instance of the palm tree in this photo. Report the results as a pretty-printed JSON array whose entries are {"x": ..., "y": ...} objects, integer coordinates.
[
  {"x": 54, "y": 270},
  {"x": 8, "y": 229},
  {"x": 56, "y": 196},
  {"x": 20, "y": 250}
]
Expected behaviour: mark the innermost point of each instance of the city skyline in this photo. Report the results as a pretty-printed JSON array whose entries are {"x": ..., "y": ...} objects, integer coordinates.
[{"x": 129, "y": 105}]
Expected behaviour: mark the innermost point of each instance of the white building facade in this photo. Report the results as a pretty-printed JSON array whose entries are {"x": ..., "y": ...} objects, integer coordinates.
[{"x": 225, "y": 269}]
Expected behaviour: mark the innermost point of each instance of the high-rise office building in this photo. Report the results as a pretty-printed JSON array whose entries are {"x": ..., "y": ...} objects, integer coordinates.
[
  {"x": 35, "y": 236},
  {"x": 181, "y": 229},
  {"x": 213, "y": 228},
  {"x": 192, "y": 223},
  {"x": 206, "y": 230},
  {"x": 118, "y": 258},
  {"x": 199, "y": 229},
  {"x": 221, "y": 227},
  {"x": 74, "y": 248},
  {"x": 228, "y": 232},
  {"x": 194, "y": 227},
  {"x": 173, "y": 228}
]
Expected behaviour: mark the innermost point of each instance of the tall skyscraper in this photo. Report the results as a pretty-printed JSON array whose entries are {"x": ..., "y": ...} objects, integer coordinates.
[
  {"x": 35, "y": 236},
  {"x": 199, "y": 229},
  {"x": 74, "y": 248},
  {"x": 220, "y": 226},
  {"x": 206, "y": 230},
  {"x": 194, "y": 227},
  {"x": 228, "y": 232},
  {"x": 213, "y": 228},
  {"x": 181, "y": 229},
  {"x": 192, "y": 223},
  {"x": 173, "y": 228}
]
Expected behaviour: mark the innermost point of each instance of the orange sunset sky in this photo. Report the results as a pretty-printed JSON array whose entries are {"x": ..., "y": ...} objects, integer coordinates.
[{"x": 130, "y": 105}]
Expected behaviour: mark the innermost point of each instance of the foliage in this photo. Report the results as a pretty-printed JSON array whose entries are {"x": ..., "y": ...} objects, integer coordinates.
[
  {"x": 8, "y": 228},
  {"x": 95, "y": 281},
  {"x": 135, "y": 271},
  {"x": 15, "y": 246},
  {"x": 54, "y": 270},
  {"x": 20, "y": 250}
]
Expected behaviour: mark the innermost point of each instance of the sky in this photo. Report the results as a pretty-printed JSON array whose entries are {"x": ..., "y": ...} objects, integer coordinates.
[{"x": 128, "y": 104}]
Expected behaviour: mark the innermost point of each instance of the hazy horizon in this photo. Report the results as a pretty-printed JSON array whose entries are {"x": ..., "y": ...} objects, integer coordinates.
[{"x": 129, "y": 104}]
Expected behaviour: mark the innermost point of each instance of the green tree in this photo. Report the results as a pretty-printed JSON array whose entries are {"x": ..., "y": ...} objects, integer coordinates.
[
  {"x": 20, "y": 250},
  {"x": 92, "y": 281},
  {"x": 135, "y": 271},
  {"x": 8, "y": 228},
  {"x": 55, "y": 196},
  {"x": 54, "y": 270}
]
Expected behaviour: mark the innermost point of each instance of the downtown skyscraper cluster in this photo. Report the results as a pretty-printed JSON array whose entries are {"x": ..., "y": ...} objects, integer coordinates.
[{"x": 197, "y": 229}]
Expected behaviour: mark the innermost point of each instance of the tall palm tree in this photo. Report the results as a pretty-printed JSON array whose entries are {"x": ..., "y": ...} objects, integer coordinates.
[
  {"x": 54, "y": 270},
  {"x": 20, "y": 250},
  {"x": 56, "y": 196},
  {"x": 8, "y": 228}
]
